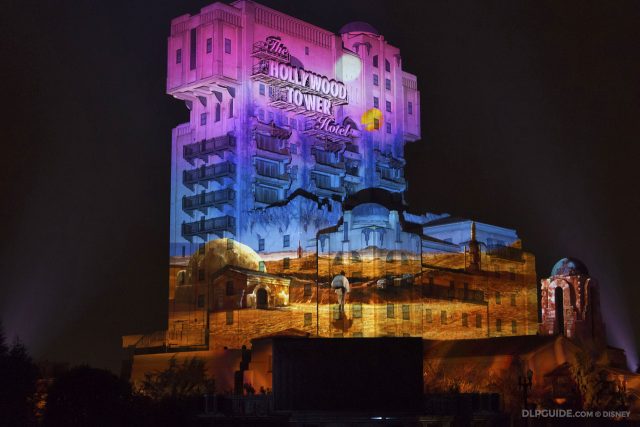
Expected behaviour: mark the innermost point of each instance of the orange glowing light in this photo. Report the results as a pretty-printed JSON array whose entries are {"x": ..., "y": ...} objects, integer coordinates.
[{"x": 372, "y": 119}]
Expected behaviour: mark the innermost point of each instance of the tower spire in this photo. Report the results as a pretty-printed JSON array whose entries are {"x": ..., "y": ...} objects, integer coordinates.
[{"x": 474, "y": 250}]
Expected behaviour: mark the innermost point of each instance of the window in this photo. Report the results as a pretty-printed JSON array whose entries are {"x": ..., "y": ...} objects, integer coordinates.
[
  {"x": 266, "y": 168},
  {"x": 285, "y": 241},
  {"x": 388, "y": 106},
  {"x": 375, "y": 80},
  {"x": 293, "y": 148},
  {"x": 184, "y": 251},
  {"x": 375, "y": 61},
  {"x": 478, "y": 320},
  {"x": 466, "y": 290},
  {"x": 514, "y": 327},
  {"x": 200, "y": 301},
  {"x": 265, "y": 195},
  {"x": 229, "y": 244},
  {"x": 261, "y": 89},
  {"x": 387, "y": 84},
  {"x": 209, "y": 45},
  {"x": 203, "y": 119},
  {"x": 261, "y": 266},
  {"x": 308, "y": 319},
  {"x": 261, "y": 115},
  {"x": 293, "y": 123},
  {"x": 428, "y": 315},
  {"x": 388, "y": 127},
  {"x": 452, "y": 289},
  {"x": 192, "y": 50},
  {"x": 229, "y": 288},
  {"x": 498, "y": 298},
  {"x": 387, "y": 65},
  {"x": 405, "y": 311},
  {"x": 410, "y": 107},
  {"x": 270, "y": 117},
  {"x": 260, "y": 245},
  {"x": 465, "y": 320},
  {"x": 231, "y": 108},
  {"x": 286, "y": 262},
  {"x": 376, "y": 102},
  {"x": 218, "y": 112},
  {"x": 443, "y": 317},
  {"x": 201, "y": 274},
  {"x": 306, "y": 50},
  {"x": 307, "y": 290},
  {"x": 179, "y": 56},
  {"x": 227, "y": 45},
  {"x": 229, "y": 317},
  {"x": 499, "y": 325},
  {"x": 376, "y": 123},
  {"x": 390, "y": 311},
  {"x": 356, "y": 311},
  {"x": 513, "y": 300}
]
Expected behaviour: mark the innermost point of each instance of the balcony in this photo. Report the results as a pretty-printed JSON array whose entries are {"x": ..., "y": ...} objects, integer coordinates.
[
  {"x": 351, "y": 151},
  {"x": 272, "y": 148},
  {"x": 204, "y": 227},
  {"x": 203, "y": 149},
  {"x": 202, "y": 202},
  {"x": 352, "y": 174},
  {"x": 204, "y": 174},
  {"x": 276, "y": 180}
]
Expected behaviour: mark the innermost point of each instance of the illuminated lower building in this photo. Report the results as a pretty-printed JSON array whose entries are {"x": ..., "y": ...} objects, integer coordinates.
[{"x": 290, "y": 171}]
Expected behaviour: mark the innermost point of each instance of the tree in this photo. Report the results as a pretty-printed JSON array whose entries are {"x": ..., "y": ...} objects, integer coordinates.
[
  {"x": 86, "y": 396},
  {"x": 18, "y": 376},
  {"x": 597, "y": 390},
  {"x": 185, "y": 380}
]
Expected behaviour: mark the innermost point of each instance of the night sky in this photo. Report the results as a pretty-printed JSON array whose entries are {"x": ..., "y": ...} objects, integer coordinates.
[{"x": 530, "y": 120}]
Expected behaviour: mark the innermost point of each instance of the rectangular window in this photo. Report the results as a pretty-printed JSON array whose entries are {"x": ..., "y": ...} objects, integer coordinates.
[
  {"x": 203, "y": 119},
  {"x": 390, "y": 311},
  {"x": 306, "y": 50},
  {"x": 478, "y": 320},
  {"x": 410, "y": 107},
  {"x": 375, "y": 61},
  {"x": 293, "y": 148},
  {"x": 286, "y": 262},
  {"x": 388, "y": 106},
  {"x": 192, "y": 50},
  {"x": 261, "y": 89},
  {"x": 293, "y": 123},
  {"x": 266, "y": 168},
  {"x": 227, "y": 45},
  {"x": 356, "y": 311},
  {"x": 498, "y": 298},
  {"x": 218, "y": 112},
  {"x": 261, "y": 266},
  {"x": 465, "y": 320},
  {"x": 376, "y": 123},
  {"x": 428, "y": 313},
  {"x": 387, "y": 84},
  {"x": 514, "y": 327},
  {"x": 513, "y": 300},
  {"x": 388, "y": 127},
  {"x": 229, "y": 317},
  {"x": 201, "y": 274},
  {"x": 375, "y": 80},
  {"x": 307, "y": 290},
  {"x": 499, "y": 325},
  {"x": 229, "y": 244},
  {"x": 286, "y": 241},
  {"x": 209, "y": 45},
  {"x": 260, "y": 245},
  {"x": 231, "y": 108},
  {"x": 443, "y": 317},
  {"x": 376, "y": 102},
  {"x": 179, "y": 56},
  {"x": 229, "y": 288},
  {"x": 387, "y": 65},
  {"x": 266, "y": 195},
  {"x": 270, "y": 117},
  {"x": 200, "y": 301},
  {"x": 466, "y": 290},
  {"x": 261, "y": 115},
  {"x": 405, "y": 311},
  {"x": 308, "y": 317}
]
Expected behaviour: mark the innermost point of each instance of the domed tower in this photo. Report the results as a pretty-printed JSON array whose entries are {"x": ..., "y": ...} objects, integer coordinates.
[{"x": 570, "y": 303}]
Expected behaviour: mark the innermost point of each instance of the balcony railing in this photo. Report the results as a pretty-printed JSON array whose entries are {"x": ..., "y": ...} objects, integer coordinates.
[
  {"x": 446, "y": 292},
  {"x": 204, "y": 227},
  {"x": 272, "y": 148},
  {"x": 204, "y": 174},
  {"x": 210, "y": 199},
  {"x": 202, "y": 150}
]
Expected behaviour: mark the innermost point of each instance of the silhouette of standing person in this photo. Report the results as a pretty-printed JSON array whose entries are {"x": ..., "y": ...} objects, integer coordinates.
[{"x": 341, "y": 286}]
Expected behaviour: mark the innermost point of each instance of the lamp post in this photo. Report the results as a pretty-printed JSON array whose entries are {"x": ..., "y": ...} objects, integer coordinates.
[{"x": 524, "y": 384}]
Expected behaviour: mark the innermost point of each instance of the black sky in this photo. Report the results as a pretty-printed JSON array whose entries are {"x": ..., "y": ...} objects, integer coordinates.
[{"x": 530, "y": 120}]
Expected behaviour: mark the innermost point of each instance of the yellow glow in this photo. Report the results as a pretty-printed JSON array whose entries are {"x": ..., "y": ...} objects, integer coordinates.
[{"x": 369, "y": 118}]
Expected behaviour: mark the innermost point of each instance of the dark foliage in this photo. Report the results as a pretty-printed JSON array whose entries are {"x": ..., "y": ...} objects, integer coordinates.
[{"x": 18, "y": 376}]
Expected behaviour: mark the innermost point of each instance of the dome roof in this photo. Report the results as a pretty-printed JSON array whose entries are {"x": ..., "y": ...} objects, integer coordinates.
[
  {"x": 222, "y": 252},
  {"x": 358, "y": 27},
  {"x": 370, "y": 214},
  {"x": 569, "y": 267}
]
